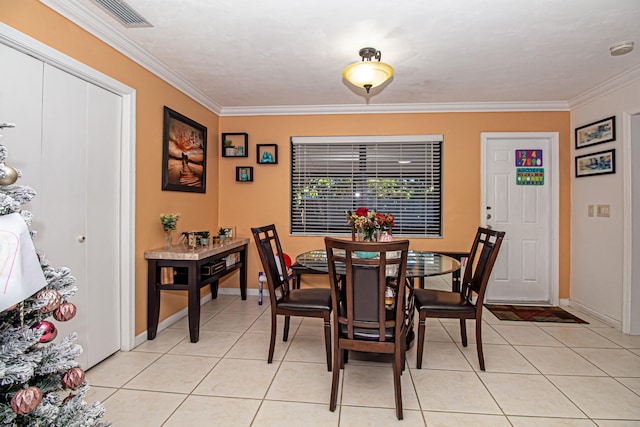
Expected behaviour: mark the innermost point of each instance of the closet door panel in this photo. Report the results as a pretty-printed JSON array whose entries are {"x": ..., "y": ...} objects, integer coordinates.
[
  {"x": 103, "y": 207},
  {"x": 64, "y": 138}
]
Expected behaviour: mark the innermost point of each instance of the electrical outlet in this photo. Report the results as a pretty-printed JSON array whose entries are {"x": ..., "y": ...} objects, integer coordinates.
[
  {"x": 590, "y": 210},
  {"x": 603, "y": 211}
]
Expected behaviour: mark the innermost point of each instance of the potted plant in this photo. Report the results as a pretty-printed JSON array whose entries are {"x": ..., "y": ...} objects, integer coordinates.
[
  {"x": 229, "y": 149},
  {"x": 204, "y": 238},
  {"x": 168, "y": 225},
  {"x": 222, "y": 234}
]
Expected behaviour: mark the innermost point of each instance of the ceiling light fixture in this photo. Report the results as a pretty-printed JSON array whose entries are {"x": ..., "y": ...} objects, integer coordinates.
[
  {"x": 621, "y": 48},
  {"x": 368, "y": 74}
]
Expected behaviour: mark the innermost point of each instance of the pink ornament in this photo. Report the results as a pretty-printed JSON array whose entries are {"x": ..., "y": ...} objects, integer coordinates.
[
  {"x": 52, "y": 300},
  {"x": 72, "y": 378},
  {"x": 386, "y": 237},
  {"x": 26, "y": 400},
  {"x": 48, "y": 329},
  {"x": 66, "y": 311}
]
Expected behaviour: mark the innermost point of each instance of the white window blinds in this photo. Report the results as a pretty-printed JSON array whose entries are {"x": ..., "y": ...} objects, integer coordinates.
[{"x": 399, "y": 174}]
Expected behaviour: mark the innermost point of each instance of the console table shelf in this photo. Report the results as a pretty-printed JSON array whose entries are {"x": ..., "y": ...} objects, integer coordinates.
[{"x": 191, "y": 263}]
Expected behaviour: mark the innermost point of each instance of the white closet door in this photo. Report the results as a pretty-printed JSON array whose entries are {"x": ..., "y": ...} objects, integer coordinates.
[
  {"x": 67, "y": 144},
  {"x": 103, "y": 223},
  {"x": 81, "y": 125},
  {"x": 63, "y": 191}
]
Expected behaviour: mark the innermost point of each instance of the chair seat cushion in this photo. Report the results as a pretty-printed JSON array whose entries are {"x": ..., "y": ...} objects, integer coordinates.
[
  {"x": 306, "y": 299},
  {"x": 434, "y": 300}
]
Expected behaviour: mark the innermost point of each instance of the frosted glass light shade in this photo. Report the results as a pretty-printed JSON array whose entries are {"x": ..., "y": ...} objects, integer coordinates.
[{"x": 367, "y": 73}]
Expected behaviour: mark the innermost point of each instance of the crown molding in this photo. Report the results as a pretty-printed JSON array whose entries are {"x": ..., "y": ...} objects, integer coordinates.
[
  {"x": 82, "y": 17},
  {"x": 442, "y": 107},
  {"x": 615, "y": 83}
]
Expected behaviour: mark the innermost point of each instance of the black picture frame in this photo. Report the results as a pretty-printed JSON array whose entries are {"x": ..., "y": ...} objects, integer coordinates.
[
  {"x": 184, "y": 153},
  {"x": 600, "y": 163},
  {"x": 267, "y": 154},
  {"x": 244, "y": 173},
  {"x": 596, "y": 133}
]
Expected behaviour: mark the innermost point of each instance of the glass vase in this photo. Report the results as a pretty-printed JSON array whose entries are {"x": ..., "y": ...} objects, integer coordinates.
[
  {"x": 367, "y": 236},
  {"x": 168, "y": 243}
]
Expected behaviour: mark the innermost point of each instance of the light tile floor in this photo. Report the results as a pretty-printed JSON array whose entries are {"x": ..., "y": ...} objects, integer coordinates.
[{"x": 536, "y": 375}]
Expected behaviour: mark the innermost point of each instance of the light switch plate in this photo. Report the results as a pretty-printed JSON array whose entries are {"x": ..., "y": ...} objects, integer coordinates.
[{"x": 603, "y": 211}]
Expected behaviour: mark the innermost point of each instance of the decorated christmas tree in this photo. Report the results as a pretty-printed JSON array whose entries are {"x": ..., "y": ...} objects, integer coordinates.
[{"x": 41, "y": 383}]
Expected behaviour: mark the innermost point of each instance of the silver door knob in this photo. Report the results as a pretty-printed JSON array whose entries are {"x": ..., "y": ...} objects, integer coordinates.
[{"x": 81, "y": 239}]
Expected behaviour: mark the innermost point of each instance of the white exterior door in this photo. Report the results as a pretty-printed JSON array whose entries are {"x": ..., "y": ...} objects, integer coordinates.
[
  {"x": 525, "y": 271},
  {"x": 67, "y": 145}
]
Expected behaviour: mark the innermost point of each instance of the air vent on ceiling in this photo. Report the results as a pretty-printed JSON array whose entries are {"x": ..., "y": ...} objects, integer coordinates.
[{"x": 123, "y": 13}]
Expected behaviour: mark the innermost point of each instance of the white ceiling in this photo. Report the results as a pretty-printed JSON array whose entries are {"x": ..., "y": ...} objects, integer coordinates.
[{"x": 239, "y": 55}]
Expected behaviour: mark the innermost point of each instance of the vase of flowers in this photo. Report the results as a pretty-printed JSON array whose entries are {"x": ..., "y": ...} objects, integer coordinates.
[
  {"x": 169, "y": 222},
  {"x": 369, "y": 224}
]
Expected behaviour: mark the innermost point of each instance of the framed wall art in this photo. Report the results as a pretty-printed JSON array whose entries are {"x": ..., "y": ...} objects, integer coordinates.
[
  {"x": 596, "y": 133},
  {"x": 600, "y": 163},
  {"x": 184, "y": 153}
]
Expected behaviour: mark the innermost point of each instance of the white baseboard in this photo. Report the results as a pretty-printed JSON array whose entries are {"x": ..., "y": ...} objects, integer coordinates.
[
  {"x": 564, "y": 302},
  {"x": 602, "y": 317},
  {"x": 180, "y": 314}
]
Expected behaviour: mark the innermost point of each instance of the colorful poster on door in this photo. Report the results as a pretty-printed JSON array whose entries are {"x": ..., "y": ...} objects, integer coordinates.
[
  {"x": 530, "y": 176},
  {"x": 529, "y": 158}
]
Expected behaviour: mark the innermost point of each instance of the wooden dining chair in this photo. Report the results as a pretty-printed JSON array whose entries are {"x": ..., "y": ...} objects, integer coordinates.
[
  {"x": 362, "y": 321},
  {"x": 460, "y": 305},
  {"x": 284, "y": 299}
]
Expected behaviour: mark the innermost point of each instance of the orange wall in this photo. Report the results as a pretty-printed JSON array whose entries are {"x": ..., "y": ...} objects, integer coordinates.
[
  {"x": 266, "y": 199},
  {"x": 199, "y": 211}
]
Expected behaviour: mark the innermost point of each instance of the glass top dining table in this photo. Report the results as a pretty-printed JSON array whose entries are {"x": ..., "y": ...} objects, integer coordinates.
[{"x": 420, "y": 264}]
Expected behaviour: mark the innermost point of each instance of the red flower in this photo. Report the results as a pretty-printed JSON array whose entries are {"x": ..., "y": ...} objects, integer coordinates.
[{"x": 363, "y": 211}]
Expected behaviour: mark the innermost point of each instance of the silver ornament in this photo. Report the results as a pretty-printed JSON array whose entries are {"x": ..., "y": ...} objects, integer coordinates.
[{"x": 8, "y": 175}]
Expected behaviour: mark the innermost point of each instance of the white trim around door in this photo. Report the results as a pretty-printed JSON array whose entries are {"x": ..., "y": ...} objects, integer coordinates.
[{"x": 554, "y": 169}]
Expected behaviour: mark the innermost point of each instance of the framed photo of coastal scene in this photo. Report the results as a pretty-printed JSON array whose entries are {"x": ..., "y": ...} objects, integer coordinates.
[
  {"x": 596, "y": 133},
  {"x": 600, "y": 163}
]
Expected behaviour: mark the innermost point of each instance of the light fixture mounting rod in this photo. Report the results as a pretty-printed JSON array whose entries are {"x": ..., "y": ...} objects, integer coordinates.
[{"x": 366, "y": 53}]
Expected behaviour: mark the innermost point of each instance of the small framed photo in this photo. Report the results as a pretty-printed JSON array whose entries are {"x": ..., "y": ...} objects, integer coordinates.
[
  {"x": 596, "y": 133},
  {"x": 184, "y": 153},
  {"x": 267, "y": 154},
  {"x": 600, "y": 163},
  {"x": 244, "y": 173}
]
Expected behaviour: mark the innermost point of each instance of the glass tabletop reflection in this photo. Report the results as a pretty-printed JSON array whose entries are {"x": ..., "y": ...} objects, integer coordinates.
[{"x": 419, "y": 263}]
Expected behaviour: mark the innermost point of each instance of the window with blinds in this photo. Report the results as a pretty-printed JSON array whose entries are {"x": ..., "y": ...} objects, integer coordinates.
[{"x": 399, "y": 174}]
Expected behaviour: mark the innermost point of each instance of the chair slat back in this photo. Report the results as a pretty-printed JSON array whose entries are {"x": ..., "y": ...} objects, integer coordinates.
[
  {"x": 358, "y": 286},
  {"x": 482, "y": 258},
  {"x": 269, "y": 249}
]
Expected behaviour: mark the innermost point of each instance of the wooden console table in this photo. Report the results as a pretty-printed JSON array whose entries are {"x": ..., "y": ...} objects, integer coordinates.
[{"x": 200, "y": 267}]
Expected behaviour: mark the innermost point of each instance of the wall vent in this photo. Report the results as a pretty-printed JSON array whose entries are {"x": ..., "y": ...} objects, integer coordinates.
[{"x": 122, "y": 12}]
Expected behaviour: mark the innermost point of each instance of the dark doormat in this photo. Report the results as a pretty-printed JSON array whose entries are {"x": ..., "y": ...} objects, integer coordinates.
[{"x": 533, "y": 313}]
